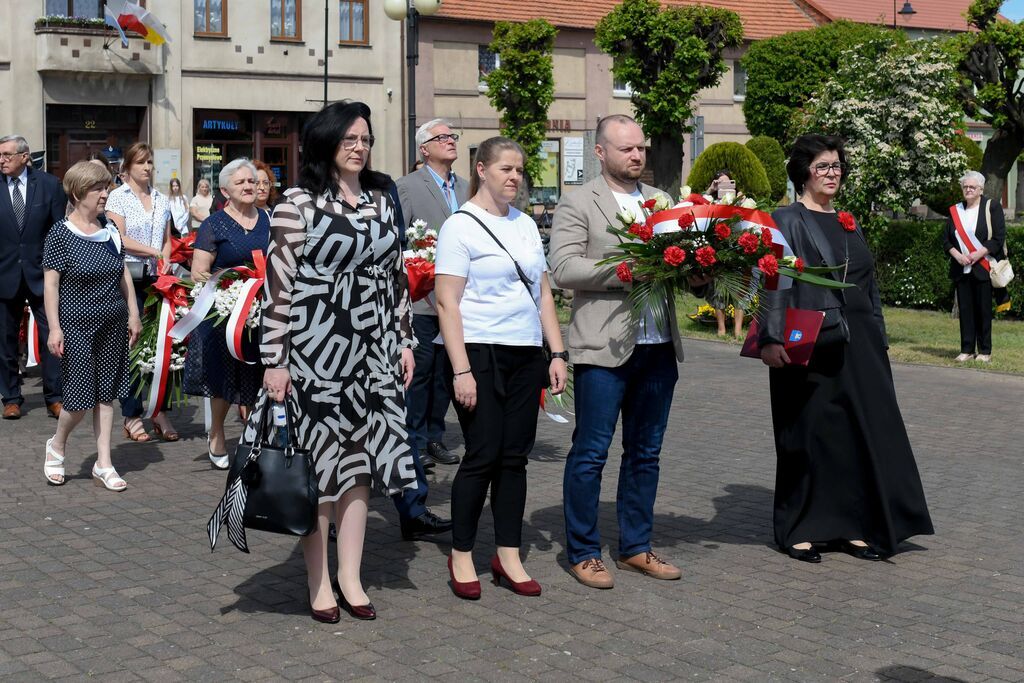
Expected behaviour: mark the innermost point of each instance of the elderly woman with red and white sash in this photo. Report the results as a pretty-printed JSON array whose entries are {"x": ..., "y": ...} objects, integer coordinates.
[{"x": 975, "y": 234}]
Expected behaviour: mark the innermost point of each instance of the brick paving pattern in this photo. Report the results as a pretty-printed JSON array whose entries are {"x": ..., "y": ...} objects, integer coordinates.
[{"x": 123, "y": 587}]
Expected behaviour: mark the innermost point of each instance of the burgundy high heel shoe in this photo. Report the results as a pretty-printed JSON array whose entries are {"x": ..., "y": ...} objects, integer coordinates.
[
  {"x": 470, "y": 590},
  {"x": 364, "y": 612},
  {"x": 325, "y": 616},
  {"x": 531, "y": 587}
]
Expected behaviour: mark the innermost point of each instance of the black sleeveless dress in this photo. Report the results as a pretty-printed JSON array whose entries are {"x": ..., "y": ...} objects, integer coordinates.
[{"x": 845, "y": 466}]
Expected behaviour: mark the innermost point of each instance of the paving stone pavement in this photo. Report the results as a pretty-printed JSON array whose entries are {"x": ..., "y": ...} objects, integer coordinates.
[{"x": 124, "y": 587}]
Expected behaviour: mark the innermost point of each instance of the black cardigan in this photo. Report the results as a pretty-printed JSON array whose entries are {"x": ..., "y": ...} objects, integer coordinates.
[
  {"x": 798, "y": 226},
  {"x": 994, "y": 245}
]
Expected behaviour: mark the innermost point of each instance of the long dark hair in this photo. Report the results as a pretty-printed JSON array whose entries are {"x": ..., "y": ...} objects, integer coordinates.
[
  {"x": 805, "y": 149},
  {"x": 320, "y": 140}
]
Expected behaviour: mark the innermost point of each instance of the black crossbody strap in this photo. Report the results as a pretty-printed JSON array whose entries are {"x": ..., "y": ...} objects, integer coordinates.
[{"x": 527, "y": 282}]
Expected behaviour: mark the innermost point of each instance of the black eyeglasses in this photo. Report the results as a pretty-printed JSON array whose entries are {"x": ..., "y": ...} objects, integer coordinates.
[
  {"x": 443, "y": 137},
  {"x": 822, "y": 169}
]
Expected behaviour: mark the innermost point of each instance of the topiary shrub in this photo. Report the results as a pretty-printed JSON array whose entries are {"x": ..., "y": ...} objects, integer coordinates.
[
  {"x": 743, "y": 165},
  {"x": 769, "y": 152},
  {"x": 940, "y": 200}
]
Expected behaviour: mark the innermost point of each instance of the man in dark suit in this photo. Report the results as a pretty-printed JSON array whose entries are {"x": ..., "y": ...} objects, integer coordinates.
[
  {"x": 30, "y": 203},
  {"x": 430, "y": 194}
]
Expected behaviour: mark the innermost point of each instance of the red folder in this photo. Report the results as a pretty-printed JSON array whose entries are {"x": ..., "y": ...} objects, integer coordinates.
[{"x": 802, "y": 329}]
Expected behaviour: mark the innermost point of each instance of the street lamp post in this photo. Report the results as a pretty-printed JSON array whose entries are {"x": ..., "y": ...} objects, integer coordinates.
[
  {"x": 410, "y": 10},
  {"x": 905, "y": 11}
]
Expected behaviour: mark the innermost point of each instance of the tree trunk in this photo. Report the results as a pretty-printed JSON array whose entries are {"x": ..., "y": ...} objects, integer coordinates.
[
  {"x": 667, "y": 160},
  {"x": 1000, "y": 155}
]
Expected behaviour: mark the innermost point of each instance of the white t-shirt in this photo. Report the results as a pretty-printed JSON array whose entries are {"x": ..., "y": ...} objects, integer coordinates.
[
  {"x": 648, "y": 331},
  {"x": 496, "y": 308}
]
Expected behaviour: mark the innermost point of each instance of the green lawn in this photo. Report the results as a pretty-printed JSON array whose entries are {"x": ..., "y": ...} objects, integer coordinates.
[{"x": 921, "y": 337}]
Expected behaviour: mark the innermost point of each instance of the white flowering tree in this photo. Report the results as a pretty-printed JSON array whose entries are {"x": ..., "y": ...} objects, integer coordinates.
[{"x": 898, "y": 114}]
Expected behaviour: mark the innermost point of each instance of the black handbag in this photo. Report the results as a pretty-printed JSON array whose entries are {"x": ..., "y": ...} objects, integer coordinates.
[{"x": 269, "y": 488}]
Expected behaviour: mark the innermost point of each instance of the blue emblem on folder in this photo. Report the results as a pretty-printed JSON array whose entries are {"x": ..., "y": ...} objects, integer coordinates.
[{"x": 796, "y": 335}]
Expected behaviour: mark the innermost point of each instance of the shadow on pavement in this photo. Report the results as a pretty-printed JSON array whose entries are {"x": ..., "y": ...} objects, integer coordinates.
[{"x": 912, "y": 674}]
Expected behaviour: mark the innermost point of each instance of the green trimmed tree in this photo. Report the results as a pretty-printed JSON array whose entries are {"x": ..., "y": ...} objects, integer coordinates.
[
  {"x": 989, "y": 61},
  {"x": 941, "y": 199},
  {"x": 743, "y": 166},
  {"x": 785, "y": 71},
  {"x": 667, "y": 56},
  {"x": 769, "y": 152},
  {"x": 522, "y": 88}
]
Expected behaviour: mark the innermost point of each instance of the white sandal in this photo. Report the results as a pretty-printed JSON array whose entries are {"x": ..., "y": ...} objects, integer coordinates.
[
  {"x": 108, "y": 478},
  {"x": 53, "y": 466}
]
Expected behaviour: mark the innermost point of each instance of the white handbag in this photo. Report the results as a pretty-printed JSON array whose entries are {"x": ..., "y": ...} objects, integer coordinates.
[{"x": 1001, "y": 272}]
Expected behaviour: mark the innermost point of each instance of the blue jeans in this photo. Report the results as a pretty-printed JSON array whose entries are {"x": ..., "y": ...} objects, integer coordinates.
[
  {"x": 411, "y": 503},
  {"x": 641, "y": 389}
]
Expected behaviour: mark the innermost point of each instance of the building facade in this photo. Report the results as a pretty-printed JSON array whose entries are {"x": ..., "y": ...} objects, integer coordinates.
[
  {"x": 454, "y": 60},
  {"x": 237, "y": 78}
]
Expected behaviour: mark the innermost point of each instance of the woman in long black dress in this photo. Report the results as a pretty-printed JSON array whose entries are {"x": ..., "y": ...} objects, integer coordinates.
[
  {"x": 225, "y": 240},
  {"x": 90, "y": 303},
  {"x": 846, "y": 472}
]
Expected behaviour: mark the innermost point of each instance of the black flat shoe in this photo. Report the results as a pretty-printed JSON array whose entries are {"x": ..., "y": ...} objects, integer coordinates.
[
  {"x": 861, "y": 552},
  {"x": 807, "y": 555},
  {"x": 437, "y": 452}
]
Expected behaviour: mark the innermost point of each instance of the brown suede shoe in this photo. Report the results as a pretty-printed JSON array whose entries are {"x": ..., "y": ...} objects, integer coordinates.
[
  {"x": 12, "y": 411},
  {"x": 651, "y": 565},
  {"x": 593, "y": 574},
  {"x": 53, "y": 409}
]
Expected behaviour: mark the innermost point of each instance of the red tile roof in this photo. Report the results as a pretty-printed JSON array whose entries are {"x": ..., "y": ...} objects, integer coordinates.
[
  {"x": 761, "y": 18},
  {"x": 943, "y": 15}
]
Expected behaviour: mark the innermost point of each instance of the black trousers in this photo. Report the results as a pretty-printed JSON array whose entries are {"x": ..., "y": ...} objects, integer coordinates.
[
  {"x": 974, "y": 298},
  {"x": 11, "y": 312},
  {"x": 499, "y": 435}
]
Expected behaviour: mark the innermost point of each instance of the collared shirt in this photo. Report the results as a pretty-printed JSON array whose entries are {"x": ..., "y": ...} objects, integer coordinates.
[
  {"x": 22, "y": 187},
  {"x": 453, "y": 202},
  {"x": 147, "y": 227}
]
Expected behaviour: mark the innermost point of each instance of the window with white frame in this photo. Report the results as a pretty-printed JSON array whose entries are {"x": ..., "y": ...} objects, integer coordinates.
[
  {"x": 739, "y": 81},
  {"x": 487, "y": 62}
]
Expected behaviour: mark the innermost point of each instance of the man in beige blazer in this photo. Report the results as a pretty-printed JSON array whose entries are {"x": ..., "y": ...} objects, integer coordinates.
[{"x": 621, "y": 365}]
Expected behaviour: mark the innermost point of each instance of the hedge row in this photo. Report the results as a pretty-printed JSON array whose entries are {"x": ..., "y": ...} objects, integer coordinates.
[{"x": 913, "y": 267}]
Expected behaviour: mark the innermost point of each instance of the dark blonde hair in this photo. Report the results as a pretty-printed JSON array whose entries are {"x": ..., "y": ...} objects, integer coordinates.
[
  {"x": 83, "y": 177},
  {"x": 136, "y": 154},
  {"x": 487, "y": 153}
]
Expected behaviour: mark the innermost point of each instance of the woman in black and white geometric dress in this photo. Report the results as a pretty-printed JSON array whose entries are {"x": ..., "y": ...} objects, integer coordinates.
[
  {"x": 93, "y": 316},
  {"x": 337, "y": 340}
]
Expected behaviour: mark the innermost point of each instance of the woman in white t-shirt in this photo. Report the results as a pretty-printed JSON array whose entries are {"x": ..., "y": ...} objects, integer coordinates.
[
  {"x": 494, "y": 308},
  {"x": 178, "y": 204}
]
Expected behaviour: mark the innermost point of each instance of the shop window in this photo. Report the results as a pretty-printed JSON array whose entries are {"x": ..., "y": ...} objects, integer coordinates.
[
  {"x": 354, "y": 28},
  {"x": 211, "y": 17},
  {"x": 487, "y": 61},
  {"x": 285, "y": 20},
  {"x": 739, "y": 81},
  {"x": 545, "y": 189}
]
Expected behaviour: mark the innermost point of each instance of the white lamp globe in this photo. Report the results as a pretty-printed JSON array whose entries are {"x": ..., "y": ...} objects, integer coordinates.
[
  {"x": 395, "y": 9},
  {"x": 427, "y": 7}
]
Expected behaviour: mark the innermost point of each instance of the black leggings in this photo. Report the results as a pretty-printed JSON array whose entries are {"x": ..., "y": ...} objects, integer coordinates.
[
  {"x": 499, "y": 435},
  {"x": 974, "y": 298}
]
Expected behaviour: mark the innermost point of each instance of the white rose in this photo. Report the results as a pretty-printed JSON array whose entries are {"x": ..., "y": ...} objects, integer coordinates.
[
  {"x": 685, "y": 191},
  {"x": 748, "y": 203}
]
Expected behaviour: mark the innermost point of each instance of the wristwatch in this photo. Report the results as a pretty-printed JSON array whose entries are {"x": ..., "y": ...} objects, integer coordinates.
[{"x": 564, "y": 355}]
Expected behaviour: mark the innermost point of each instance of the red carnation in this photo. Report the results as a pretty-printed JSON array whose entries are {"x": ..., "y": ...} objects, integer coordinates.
[
  {"x": 649, "y": 204},
  {"x": 686, "y": 220},
  {"x": 705, "y": 256},
  {"x": 642, "y": 231},
  {"x": 623, "y": 272},
  {"x": 674, "y": 255},
  {"x": 749, "y": 242},
  {"x": 766, "y": 236},
  {"x": 723, "y": 231},
  {"x": 847, "y": 220},
  {"x": 697, "y": 200},
  {"x": 798, "y": 264},
  {"x": 768, "y": 265}
]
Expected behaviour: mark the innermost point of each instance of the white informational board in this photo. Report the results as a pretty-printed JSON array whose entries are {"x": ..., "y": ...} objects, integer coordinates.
[
  {"x": 166, "y": 165},
  {"x": 572, "y": 161}
]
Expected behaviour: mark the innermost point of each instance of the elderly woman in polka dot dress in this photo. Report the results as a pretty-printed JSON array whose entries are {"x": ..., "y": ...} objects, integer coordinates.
[{"x": 90, "y": 303}]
